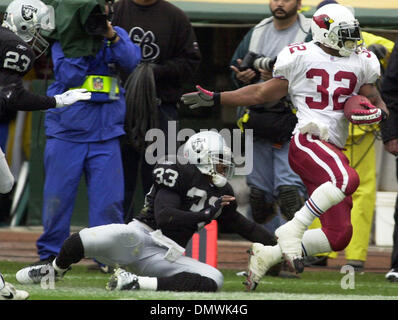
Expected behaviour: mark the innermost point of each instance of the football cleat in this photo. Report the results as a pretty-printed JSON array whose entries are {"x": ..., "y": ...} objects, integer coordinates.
[
  {"x": 289, "y": 237},
  {"x": 10, "y": 293},
  {"x": 392, "y": 275},
  {"x": 260, "y": 261},
  {"x": 123, "y": 280},
  {"x": 35, "y": 274}
]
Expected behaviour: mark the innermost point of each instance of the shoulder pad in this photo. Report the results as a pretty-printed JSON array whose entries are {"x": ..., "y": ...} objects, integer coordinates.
[
  {"x": 371, "y": 65},
  {"x": 173, "y": 174},
  {"x": 287, "y": 58},
  {"x": 166, "y": 175},
  {"x": 16, "y": 56}
]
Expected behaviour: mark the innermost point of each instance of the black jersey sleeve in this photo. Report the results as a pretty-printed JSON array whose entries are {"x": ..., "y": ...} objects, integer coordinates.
[
  {"x": 168, "y": 212},
  {"x": 231, "y": 221},
  {"x": 17, "y": 97}
]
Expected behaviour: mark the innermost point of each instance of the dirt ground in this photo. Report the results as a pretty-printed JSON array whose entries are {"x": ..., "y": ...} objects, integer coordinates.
[{"x": 19, "y": 244}]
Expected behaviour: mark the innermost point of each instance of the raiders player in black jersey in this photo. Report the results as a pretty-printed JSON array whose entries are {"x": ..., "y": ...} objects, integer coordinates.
[
  {"x": 20, "y": 44},
  {"x": 19, "y": 37},
  {"x": 20, "y": 41},
  {"x": 183, "y": 199},
  {"x": 185, "y": 196}
]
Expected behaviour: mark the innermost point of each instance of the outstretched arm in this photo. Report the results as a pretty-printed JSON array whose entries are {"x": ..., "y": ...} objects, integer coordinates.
[{"x": 274, "y": 89}]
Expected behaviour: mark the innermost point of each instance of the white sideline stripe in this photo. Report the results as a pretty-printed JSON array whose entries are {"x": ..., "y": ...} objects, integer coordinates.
[{"x": 251, "y": 296}]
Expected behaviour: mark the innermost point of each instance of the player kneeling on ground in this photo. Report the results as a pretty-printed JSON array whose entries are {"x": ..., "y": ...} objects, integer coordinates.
[{"x": 187, "y": 193}]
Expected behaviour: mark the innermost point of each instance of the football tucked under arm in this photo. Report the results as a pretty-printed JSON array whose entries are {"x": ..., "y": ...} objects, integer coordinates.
[{"x": 359, "y": 110}]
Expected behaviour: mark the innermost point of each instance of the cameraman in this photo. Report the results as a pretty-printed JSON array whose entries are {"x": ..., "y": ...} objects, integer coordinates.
[
  {"x": 85, "y": 138},
  {"x": 272, "y": 182}
]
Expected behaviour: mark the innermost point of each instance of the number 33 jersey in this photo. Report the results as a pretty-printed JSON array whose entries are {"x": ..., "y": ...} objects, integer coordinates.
[
  {"x": 320, "y": 83},
  {"x": 194, "y": 192},
  {"x": 16, "y": 57}
]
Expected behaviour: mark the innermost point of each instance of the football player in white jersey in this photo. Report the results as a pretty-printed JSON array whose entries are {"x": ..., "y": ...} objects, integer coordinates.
[{"x": 319, "y": 76}]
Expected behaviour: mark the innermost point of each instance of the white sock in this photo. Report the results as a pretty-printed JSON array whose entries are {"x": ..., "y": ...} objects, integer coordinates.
[
  {"x": 148, "y": 283},
  {"x": 324, "y": 197},
  {"x": 2, "y": 282},
  {"x": 314, "y": 242},
  {"x": 276, "y": 253}
]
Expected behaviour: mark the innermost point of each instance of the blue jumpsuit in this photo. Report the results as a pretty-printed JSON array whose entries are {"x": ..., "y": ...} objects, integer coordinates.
[{"x": 84, "y": 139}]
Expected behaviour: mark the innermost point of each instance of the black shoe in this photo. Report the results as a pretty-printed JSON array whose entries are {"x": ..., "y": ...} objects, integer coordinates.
[
  {"x": 358, "y": 265},
  {"x": 48, "y": 260},
  {"x": 320, "y": 261}
]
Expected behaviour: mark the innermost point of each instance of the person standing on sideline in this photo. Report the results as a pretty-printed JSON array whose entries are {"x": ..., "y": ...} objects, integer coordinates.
[
  {"x": 19, "y": 39},
  {"x": 274, "y": 185},
  {"x": 85, "y": 139},
  {"x": 168, "y": 44},
  {"x": 389, "y": 130}
]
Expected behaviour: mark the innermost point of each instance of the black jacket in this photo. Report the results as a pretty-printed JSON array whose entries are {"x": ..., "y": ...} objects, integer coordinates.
[
  {"x": 389, "y": 91},
  {"x": 166, "y": 38}
]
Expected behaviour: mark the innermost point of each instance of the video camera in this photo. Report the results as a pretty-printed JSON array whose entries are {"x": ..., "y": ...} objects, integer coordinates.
[
  {"x": 256, "y": 61},
  {"x": 96, "y": 23}
]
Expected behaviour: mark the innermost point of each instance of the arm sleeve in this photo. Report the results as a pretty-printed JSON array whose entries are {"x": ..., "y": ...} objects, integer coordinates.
[
  {"x": 283, "y": 65},
  {"x": 371, "y": 67},
  {"x": 125, "y": 52},
  {"x": 167, "y": 212},
  {"x": 240, "y": 53},
  {"x": 231, "y": 221},
  {"x": 71, "y": 72},
  {"x": 187, "y": 58},
  {"x": 15, "y": 96}
]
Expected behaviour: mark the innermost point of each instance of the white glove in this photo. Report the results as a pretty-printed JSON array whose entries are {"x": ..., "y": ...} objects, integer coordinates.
[{"x": 71, "y": 96}]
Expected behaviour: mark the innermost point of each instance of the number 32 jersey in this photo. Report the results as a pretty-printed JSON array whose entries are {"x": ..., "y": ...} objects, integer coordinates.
[{"x": 320, "y": 83}]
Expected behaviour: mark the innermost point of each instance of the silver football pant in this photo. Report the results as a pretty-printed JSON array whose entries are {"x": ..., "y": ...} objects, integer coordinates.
[{"x": 131, "y": 247}]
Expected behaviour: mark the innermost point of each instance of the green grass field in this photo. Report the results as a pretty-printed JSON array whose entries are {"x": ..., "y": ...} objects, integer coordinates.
[{"x": 82, "y": 283}]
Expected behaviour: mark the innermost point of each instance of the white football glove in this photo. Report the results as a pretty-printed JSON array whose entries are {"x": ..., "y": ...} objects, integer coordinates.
[
  {"x": 71, "y": 96},
  {"x": 201, "y": 98}
]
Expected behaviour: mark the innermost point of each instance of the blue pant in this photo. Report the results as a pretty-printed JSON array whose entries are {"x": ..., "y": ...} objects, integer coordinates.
[
  {"x": 271, "y": 169},
  {"x": 65, "y": 162}
]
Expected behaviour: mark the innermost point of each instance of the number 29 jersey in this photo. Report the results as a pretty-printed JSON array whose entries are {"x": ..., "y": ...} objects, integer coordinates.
[{"x": 320, "y": 83}]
